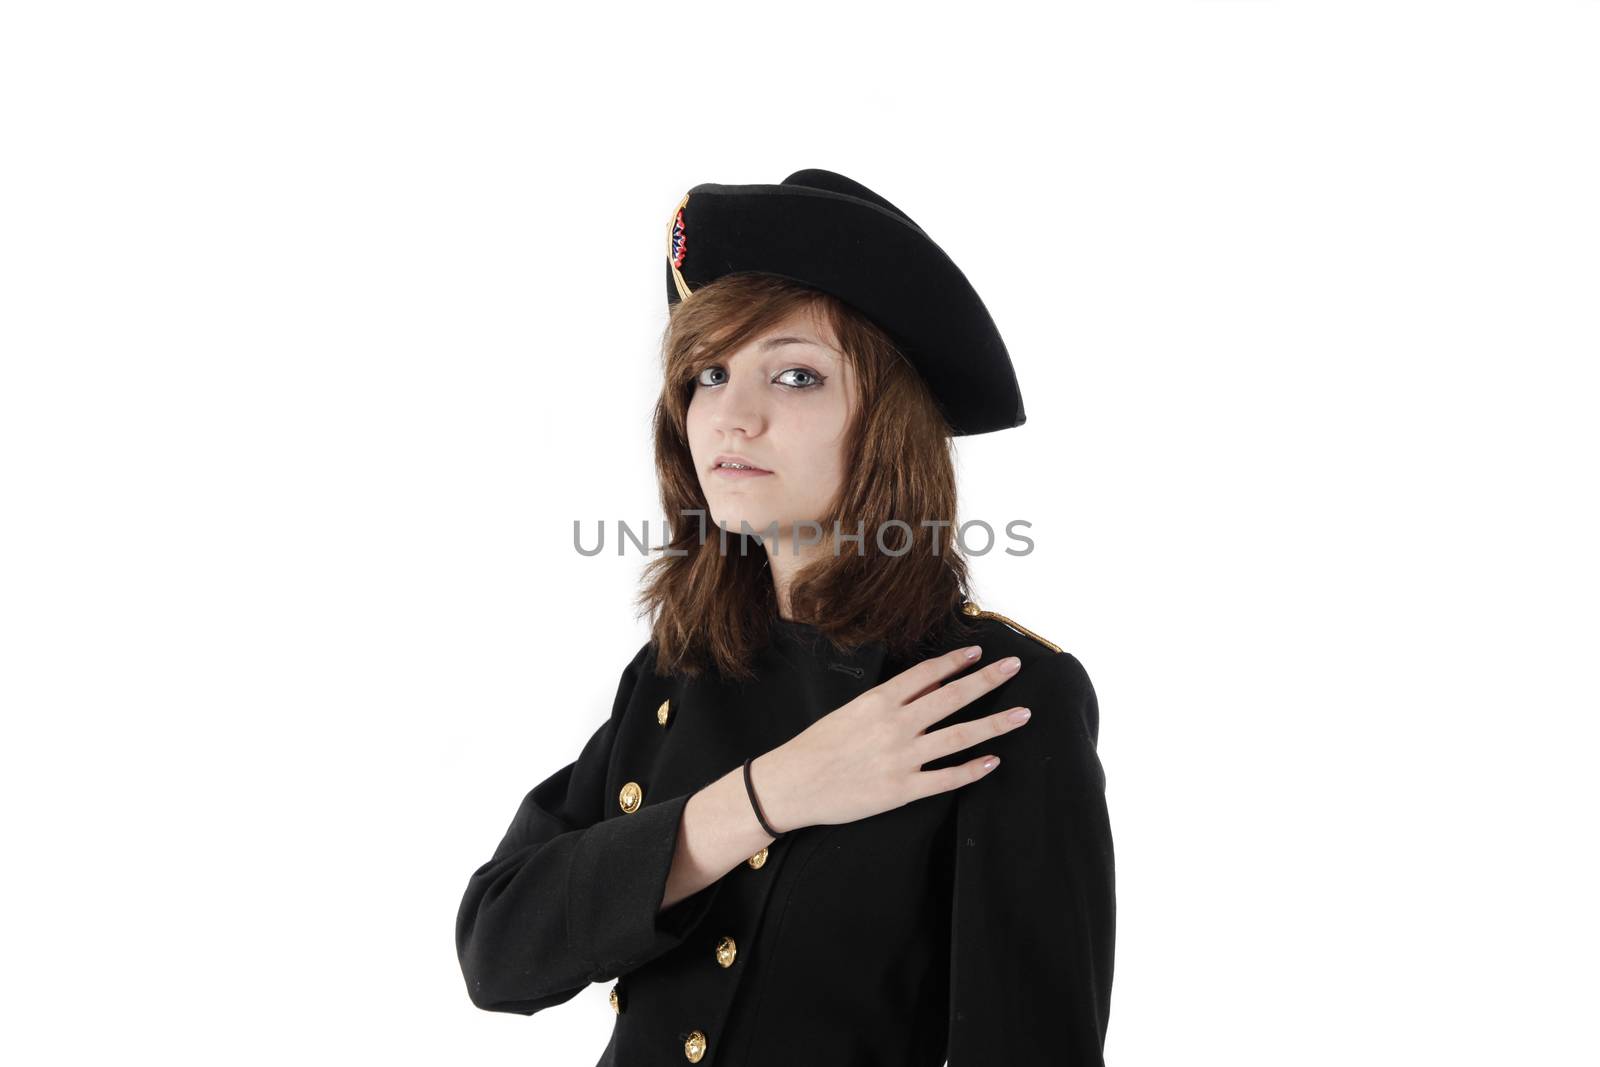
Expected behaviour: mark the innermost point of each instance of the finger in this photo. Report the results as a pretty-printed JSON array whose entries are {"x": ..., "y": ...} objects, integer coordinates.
[
  {"x": 940, "y": 743},
  {"x": 944, "y": 701},
  {"x": 919, "y": 678},
  {"x": 928, "y": 783}
]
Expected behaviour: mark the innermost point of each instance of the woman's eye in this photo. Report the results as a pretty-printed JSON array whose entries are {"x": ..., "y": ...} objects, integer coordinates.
[{"x": 808, "y": 381}]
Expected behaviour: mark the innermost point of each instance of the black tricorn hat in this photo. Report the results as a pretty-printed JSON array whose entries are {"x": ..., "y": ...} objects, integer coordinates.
[{"x": 825, "y": 231}]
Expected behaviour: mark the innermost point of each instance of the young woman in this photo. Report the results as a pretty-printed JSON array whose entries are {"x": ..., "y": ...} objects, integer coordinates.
[{"x": 814, "y": 828}]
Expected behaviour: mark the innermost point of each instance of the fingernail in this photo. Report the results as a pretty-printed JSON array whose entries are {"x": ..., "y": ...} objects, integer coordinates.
[
  {"x": 973, "y": 653},
  {"x": 1020, "y": 715},
  {"x": 989, "y": 763},
  {"x": 1009, "y": 665}
]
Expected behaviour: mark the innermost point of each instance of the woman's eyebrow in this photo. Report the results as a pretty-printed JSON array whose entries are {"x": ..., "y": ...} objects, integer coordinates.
[{"x": 774, "y": 342}]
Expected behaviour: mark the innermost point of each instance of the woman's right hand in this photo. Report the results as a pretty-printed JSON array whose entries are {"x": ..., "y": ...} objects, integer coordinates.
[{"x": 866, "y": 757}]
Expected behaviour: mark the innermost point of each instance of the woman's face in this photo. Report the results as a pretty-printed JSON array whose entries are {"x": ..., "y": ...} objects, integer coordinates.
[{"x": 782, "y": 403}]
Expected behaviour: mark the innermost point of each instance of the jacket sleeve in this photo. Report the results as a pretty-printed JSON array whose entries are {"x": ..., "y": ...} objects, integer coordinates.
[
  {"x": 572, "y": 894},
  {"x": 1034, "y": 896}
]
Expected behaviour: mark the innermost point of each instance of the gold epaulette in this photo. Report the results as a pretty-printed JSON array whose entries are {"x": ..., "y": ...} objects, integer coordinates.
[{"x": 972, "y": 609}]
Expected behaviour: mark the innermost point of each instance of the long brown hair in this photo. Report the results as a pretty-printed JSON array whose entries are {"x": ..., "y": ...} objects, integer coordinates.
[{"x": 714, "y": 606}]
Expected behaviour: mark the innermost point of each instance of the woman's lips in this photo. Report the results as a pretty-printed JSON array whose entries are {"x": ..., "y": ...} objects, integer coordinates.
[{"x": 736, "y": 472}]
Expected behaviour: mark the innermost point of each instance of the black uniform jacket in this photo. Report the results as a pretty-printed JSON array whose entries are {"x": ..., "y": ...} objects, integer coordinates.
[{"x": 975, "y": 925}]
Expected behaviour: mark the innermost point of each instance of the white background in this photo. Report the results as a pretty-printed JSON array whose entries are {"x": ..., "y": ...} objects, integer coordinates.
[{"x": 322, "y": 322}]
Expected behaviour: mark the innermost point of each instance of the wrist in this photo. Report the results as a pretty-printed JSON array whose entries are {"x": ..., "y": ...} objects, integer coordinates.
[{"x": 769, "y": 785}]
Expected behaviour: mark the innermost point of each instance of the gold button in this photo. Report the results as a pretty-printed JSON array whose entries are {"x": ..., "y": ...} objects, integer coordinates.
[
  {"x": 616, "y": 1005},
  {"x": 695, "y": 1047},
  {"x": 631, "y": 797},
  {"x": 664, "y": 711},
  {"x": 726, "y": 951},
  {"x": 758, "y": 859}
]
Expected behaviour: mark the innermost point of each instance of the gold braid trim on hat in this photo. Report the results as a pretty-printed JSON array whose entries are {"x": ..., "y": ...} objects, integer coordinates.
[{"x": 677, "y": 277}]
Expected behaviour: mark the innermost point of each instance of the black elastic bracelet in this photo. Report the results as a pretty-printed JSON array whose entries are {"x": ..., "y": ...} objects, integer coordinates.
[{"x": 756, "y": 804}]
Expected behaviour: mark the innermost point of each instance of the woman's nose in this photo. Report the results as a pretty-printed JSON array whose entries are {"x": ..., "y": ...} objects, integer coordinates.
[{"x": 738, "y": 407}]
